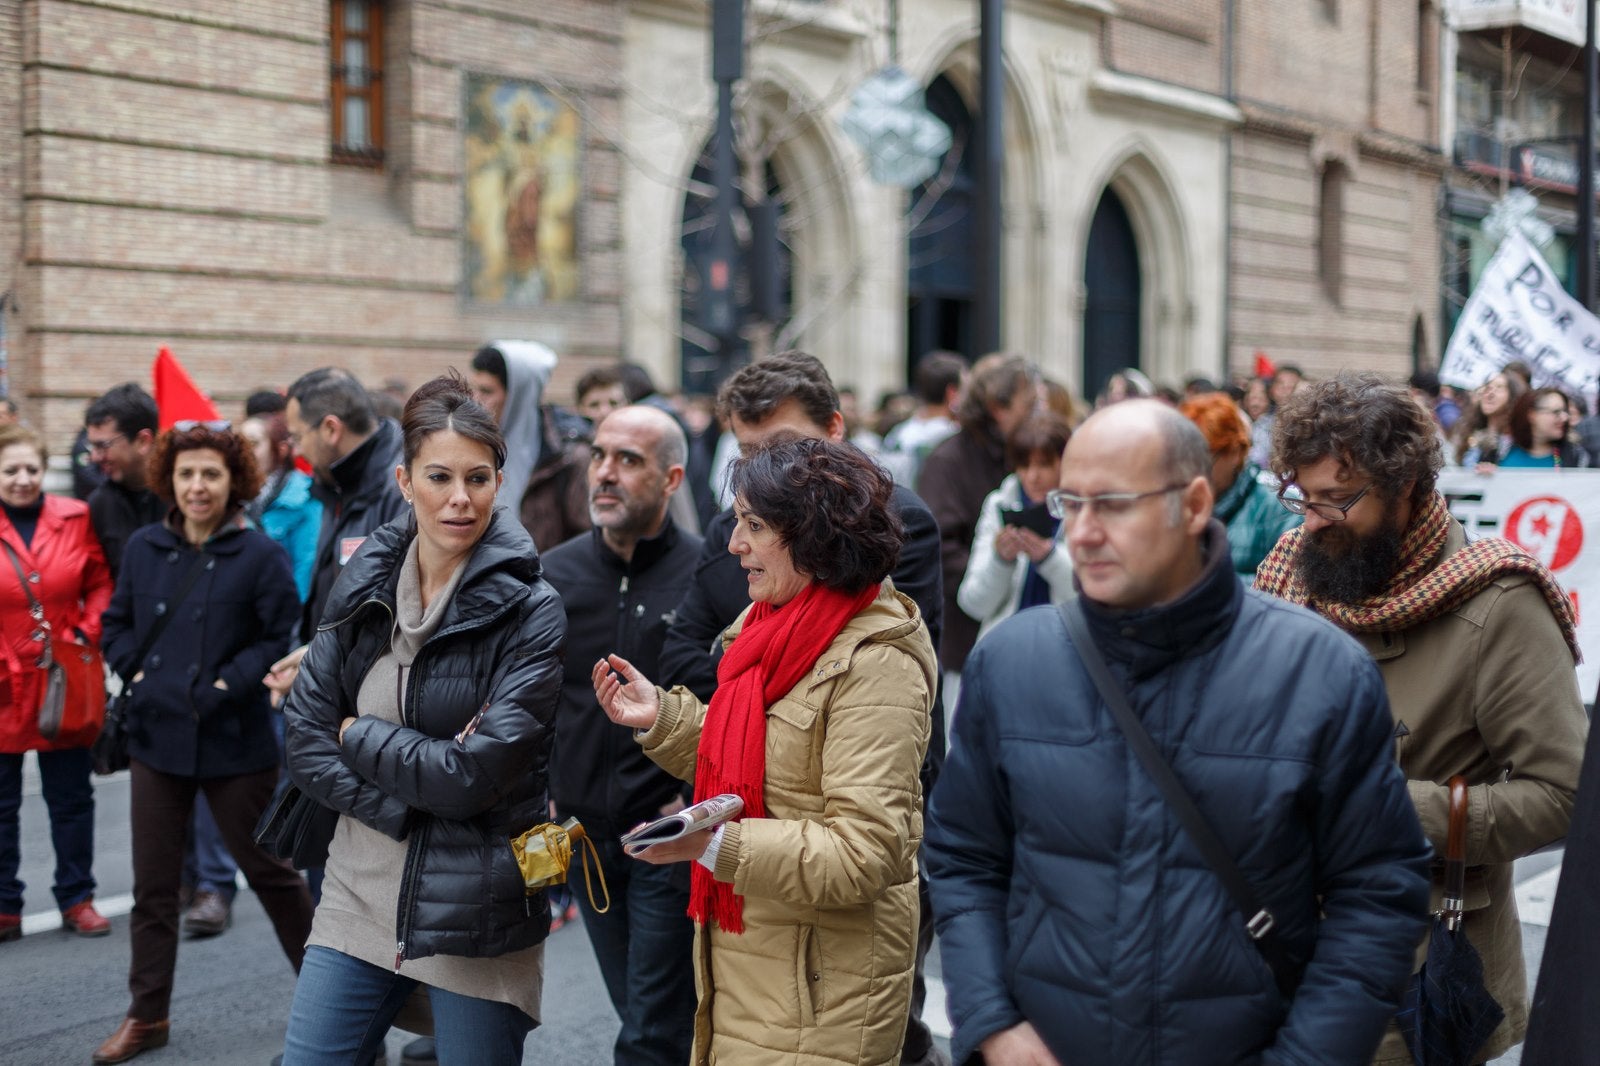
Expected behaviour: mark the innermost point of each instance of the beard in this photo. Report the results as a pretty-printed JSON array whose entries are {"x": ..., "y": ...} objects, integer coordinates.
[{"x": 1336, "y": 565}]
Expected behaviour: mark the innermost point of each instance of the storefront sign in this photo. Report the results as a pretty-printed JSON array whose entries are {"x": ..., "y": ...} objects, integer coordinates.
[
  {"x": 1520, "y": 312},
  {"x": 1555, "y": 516}
]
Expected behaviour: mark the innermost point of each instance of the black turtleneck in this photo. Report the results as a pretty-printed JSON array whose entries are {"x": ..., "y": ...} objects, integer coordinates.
[
  {"x": 25, "y": 519},
  {"x": 1144, "y": 641}
]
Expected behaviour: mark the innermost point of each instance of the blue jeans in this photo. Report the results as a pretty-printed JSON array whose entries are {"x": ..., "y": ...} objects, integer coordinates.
[
  {"x": 645, "y": 947},
  {"x": 342, "y": 1009},
  {"x": 69, "y": 796},
  {"x": 208, "y": 866}
]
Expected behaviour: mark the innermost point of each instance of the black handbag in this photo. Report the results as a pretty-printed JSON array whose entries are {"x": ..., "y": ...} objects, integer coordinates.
[
  {"x": 297, "y": 828},
  {"x": 110, "y": 750}
]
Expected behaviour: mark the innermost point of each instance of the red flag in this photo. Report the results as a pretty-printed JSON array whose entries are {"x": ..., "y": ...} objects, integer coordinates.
[
  {"x": 177, "y": 396},
  {"x": 1264, "y": 367}
]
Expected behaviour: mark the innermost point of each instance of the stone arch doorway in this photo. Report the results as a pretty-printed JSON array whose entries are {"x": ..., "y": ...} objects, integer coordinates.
[
  {"x": 941, "y": 285},
  {"x": 1113, "y": 294}
]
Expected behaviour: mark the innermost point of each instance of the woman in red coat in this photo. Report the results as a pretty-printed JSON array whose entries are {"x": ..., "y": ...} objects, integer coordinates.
[{"x": 52, "y": 539}]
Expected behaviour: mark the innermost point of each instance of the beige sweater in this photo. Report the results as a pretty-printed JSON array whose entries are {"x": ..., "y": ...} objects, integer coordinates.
[{"x": 361, "y": 890}]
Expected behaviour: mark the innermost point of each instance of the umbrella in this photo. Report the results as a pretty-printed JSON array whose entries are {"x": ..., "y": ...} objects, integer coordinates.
[{"x": 1447, "y": 1012}]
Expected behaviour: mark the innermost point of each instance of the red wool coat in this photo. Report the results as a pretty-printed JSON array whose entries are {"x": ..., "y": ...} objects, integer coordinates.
[{"x": 74, "y": 586}]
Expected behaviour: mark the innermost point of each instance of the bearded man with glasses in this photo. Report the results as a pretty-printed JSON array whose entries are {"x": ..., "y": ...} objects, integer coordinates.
[
  {"x": 1475, "y": 641},
  {"x": 1079, "y": 922}
]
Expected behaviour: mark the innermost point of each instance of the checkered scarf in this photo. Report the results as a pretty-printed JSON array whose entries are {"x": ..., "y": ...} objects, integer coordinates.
[{"x": 1417, "y": 594}]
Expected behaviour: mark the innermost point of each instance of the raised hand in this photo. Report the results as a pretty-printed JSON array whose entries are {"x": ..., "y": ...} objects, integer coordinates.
[{"x": 627, "y": 696}]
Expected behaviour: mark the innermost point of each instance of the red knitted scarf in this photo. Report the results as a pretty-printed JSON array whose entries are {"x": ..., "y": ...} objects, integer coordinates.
[
  {"x": 774, "y": 650},
  {"x": 1417, "y": 594}
]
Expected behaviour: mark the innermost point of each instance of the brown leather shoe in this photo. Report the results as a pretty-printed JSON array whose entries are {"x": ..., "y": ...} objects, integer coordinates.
[
  {"x": 208, "y": 915},
  {"x": 132, "y": 1037}
]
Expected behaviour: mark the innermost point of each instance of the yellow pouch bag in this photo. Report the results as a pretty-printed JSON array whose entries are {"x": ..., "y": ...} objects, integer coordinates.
[{"x": 544, "y": 855}]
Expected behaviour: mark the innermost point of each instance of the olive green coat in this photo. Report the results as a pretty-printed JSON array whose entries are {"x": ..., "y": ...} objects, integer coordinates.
[
  {"x": 822, "y": 971},
  {"x": 1487, "y": 690}
]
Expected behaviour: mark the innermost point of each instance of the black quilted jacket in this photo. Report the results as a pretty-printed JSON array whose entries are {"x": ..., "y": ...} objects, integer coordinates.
[{"x": 457, "y": 803}]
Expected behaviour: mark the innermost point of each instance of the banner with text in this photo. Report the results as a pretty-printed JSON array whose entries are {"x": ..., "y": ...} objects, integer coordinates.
[
  {"x": 1519, "y": 311},
  {"x": 1555, "y": 516}
]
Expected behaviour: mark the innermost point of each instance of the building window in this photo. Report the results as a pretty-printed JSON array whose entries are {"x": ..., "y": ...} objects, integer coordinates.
[
  {"x": 1427, "y": 46},
  {"x": 1330, "y": 229},
  {"x": 356, "y": 77}
]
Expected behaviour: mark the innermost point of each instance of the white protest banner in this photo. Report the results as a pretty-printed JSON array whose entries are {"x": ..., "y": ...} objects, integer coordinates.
[
  {"x": 1555, "y": 516},
  {"x": 1519, "y": 311}
]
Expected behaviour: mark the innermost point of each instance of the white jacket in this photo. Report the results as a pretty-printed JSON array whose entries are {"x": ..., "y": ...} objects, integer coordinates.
[{"x": 992, "y": 587}]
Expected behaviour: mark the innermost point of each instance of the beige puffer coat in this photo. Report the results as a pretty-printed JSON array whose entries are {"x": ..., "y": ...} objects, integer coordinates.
[
  {"x": 1488, "y": 691},
  {"x": 822, "y": 972}
]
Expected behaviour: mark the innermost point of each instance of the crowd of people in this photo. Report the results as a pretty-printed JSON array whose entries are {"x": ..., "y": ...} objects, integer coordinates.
[{"x": 1187, "y": 811}]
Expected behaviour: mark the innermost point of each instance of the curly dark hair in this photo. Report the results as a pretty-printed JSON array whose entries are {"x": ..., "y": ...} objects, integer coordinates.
[
  {"x": 1367, "y": 423},
  {"x": 757, "y": 390},
  {"x": 244, "y": 480},
  {"x": 829, "y": 505}
]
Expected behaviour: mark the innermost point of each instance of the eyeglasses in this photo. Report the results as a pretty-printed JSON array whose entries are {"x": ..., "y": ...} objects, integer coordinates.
[
  {"x": 1110, "y": 506},
  {"x": 103, "y": 445},
  {"x": 1294, "y": 501},
  {"x": 1562, "y": 411},
  {"x": 189, "y": 425}
]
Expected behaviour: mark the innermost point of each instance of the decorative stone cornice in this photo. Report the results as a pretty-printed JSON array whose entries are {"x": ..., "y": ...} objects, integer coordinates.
[{"x": 1129, "y": 90}]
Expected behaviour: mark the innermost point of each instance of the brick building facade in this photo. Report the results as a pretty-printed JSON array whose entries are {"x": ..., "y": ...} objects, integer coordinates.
[
  {"x": 1334, "y": 246},
  {"x": 171, "y": 179},
  {"x": 1265, "y": 172}
]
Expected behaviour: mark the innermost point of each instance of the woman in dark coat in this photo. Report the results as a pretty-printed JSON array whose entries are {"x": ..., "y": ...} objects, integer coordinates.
[
  {"x": 197, "y": 710},
  {"x": 423, "y": 714}
]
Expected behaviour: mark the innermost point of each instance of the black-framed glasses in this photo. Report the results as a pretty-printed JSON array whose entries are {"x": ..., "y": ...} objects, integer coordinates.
[
  {"x": 1294, "y": 501},
  {"x": 215, "y": 425},
  {"x": 103, "y": 445},
  {"x": 1110, "y": 506}
]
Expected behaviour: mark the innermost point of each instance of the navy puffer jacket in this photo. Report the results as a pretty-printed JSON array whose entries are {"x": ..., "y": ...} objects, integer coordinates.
[
  {"x": 1066, "y": 892},
  {"x": 457, "y": 804}
]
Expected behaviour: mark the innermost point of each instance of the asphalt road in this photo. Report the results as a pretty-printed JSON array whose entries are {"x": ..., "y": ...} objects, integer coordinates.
[{"x": 61, "y": 995}]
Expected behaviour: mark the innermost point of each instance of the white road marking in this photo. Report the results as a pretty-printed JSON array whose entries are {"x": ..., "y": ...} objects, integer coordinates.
[
  {"x": 45, "y": 921},
  {"x": 1536, "y": 896}
]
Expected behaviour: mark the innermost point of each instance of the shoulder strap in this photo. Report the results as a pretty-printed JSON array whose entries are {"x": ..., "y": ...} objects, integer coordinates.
[
  {"x": 1259, "y": 922},
  {"x": 34, "y": 605},
  {"x": 160, "y": 624},
  {"x": 35, "y": 608}
]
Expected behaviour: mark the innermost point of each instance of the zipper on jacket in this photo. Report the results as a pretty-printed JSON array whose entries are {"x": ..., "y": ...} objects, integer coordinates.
[{"x": 408, "y": 886}]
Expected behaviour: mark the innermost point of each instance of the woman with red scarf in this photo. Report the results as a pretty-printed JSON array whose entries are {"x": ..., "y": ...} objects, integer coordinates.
[{"x": 806, "y": 908}]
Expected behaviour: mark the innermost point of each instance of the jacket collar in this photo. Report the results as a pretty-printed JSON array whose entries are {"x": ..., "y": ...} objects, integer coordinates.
[
  {"x": 365, "y": 468},
  {"x": 1148, "y": 640},
  {"x": 646, "y": 553},
  {"x": 140, "y": 501},
  {"x": 498, "y": 573},
  {"x": 1230, "y": 502},
  {"x": 227, "y": 540}
]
